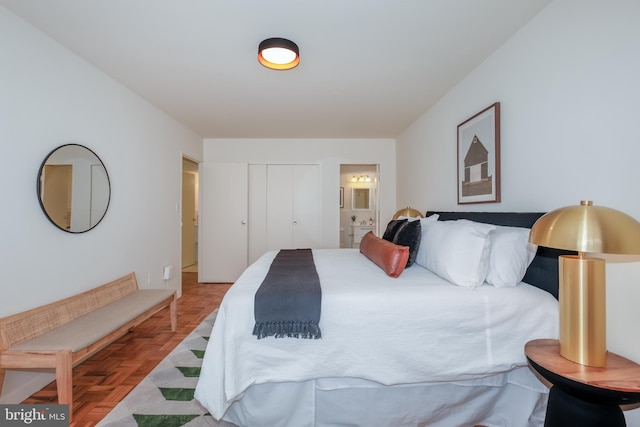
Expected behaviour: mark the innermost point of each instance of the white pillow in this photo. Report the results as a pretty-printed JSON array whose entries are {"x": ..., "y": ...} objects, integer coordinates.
[
  {"x": 423, "y": 228},
  {"x": 457, "y": 251},
  {"x": 511, "y": 254},
  {"x": 428, "y": 220}
]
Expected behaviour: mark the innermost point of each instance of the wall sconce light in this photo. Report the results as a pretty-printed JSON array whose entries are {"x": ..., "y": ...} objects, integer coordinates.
[
  {"x": 586, "y": 229},
  {"x": 278, "y": 54},
  {"x": 362, "y": 178}
]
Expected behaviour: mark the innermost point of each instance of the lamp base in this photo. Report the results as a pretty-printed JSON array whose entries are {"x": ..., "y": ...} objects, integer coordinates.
[{"x": 582, "y": 296}]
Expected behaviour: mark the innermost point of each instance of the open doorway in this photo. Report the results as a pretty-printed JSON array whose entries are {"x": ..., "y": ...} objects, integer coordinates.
[
  {"x": 359, "y": 205},
  {"x": 189, "y": 215}
]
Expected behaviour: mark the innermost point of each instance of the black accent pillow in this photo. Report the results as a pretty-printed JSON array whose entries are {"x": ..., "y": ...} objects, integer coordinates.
[
  {"x": 392, "y": 228},
  {"x": 409, "y": 234}
]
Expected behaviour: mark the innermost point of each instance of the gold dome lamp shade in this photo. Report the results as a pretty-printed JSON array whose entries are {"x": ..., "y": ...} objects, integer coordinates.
[
  {"x": 408, "y": 212},
  {"x": 587, "y": 229}
]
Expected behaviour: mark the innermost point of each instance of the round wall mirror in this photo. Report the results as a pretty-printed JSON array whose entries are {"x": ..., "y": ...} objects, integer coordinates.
[{"x": 73, "y": 188}]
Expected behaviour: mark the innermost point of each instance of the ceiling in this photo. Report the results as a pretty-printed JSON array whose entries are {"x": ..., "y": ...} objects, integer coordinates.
[{"x": 368, "y": 68}]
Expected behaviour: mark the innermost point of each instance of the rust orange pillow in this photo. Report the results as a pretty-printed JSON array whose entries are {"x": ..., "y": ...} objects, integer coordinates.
[{"x": 388, "y": 256}]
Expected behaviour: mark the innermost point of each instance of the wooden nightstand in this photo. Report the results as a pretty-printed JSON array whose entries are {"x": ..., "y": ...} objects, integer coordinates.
[{"x": 582, "y": 395}]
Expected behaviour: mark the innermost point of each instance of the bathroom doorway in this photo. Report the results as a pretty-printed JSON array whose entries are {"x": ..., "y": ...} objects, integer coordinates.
[{"x": 359, "y": 204}]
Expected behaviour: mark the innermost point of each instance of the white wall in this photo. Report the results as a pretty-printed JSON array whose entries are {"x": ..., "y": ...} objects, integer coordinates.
[
  {"x": 569, "y": 85},
  {"x": 49, "y": 97},
  {"x": 329, "y": 154}
]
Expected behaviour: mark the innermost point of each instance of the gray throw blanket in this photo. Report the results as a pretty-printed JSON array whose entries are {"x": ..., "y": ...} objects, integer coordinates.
[{"x": 287, "y": 303}]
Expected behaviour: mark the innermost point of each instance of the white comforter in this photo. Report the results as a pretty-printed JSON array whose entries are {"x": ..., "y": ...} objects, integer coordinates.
[{"x": 417, "y": 328}]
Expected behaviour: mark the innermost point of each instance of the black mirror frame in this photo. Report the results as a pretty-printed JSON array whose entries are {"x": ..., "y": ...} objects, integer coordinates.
[{"x": 39, "y": 188}]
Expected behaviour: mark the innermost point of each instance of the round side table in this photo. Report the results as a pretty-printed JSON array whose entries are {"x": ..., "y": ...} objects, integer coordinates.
[{"x": 581, "y": 395}]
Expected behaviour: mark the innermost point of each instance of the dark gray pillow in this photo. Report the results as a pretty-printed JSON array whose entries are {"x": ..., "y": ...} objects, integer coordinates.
[
  {"x": 409, "y": 234},
  {"x": 392, "y": 228}
]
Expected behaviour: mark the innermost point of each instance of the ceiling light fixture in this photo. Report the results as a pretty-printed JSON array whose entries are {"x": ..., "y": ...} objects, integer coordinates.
[{"x": 278, "y": 54}]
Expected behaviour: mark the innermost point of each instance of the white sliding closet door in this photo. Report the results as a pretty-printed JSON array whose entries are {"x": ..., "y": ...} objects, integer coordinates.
[
  {"x": 223, "y": 221},
  {"x": 279, "y": 207},
  {"x": 287, "y": 199},
  {"x": 306, "y": 206}
]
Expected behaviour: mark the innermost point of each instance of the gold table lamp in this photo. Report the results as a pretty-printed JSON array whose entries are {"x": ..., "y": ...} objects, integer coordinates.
[
  {"x": 582, "y": 295},
  {"x": 408, "y": 212}
]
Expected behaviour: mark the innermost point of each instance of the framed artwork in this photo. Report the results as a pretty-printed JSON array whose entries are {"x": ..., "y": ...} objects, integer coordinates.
[
  {"x": 342, "y": 197},
  {"x": 479, "y": 157}
]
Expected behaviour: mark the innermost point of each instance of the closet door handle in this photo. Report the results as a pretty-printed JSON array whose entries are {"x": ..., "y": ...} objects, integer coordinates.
[
  {"x": 243, "y": 222},
  {"x": 295, "y": 222}
]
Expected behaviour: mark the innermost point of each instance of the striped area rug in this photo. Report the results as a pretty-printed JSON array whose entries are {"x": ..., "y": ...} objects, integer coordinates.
[{"x": 165, "y": 397}]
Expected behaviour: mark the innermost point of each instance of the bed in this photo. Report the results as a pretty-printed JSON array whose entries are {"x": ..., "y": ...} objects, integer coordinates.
[{"x": 413, "y": 350}]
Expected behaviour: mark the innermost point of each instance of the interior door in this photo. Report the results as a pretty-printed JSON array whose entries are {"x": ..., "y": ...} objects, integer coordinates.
[
  {"x": 279, "y": 207},
  {"x": 100, "y": 193},
  {"x": 188, "y": 219},
  {"x": 223, "y": 221},
  {"x": 56, "y": 194},
  {"x": 257, "y": 211},
  {"x": 306, "y": 206}
]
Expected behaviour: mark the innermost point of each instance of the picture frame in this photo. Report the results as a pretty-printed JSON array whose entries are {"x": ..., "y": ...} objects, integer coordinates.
[
  {"x": 478, "y": 157},
  {"x": 342, "y": 197}
]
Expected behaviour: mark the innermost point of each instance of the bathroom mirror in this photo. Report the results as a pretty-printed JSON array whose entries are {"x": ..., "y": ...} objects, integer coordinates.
[
  {"x": 73, "y": 188},
  {"x": 360, "y": 199}
]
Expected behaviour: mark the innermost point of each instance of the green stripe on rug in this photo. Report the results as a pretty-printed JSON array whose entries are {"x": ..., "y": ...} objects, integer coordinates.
[
  {"x": 162, "y": 420},
  {"x": 181, "y": 394},
  {"x": 163, "y": 398},
  {"x": 189, "y": 371}
]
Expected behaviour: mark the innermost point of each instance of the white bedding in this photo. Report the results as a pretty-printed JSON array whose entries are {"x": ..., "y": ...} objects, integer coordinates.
[{"x": 415, "y": 329}]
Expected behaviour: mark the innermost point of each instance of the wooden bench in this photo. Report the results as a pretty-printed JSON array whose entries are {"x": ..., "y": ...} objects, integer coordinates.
[{"x": 64, "y": 333}]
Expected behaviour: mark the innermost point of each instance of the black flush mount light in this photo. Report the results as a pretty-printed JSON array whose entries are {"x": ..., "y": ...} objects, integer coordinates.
[{"x": 278, "y": 54}]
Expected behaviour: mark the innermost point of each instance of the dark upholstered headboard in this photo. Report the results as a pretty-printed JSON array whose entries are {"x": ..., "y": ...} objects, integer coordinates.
[{"x": 543, "y": 271}]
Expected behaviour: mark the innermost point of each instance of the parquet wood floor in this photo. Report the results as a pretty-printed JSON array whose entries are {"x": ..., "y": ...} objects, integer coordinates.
[{"x": 103, "y": 380}]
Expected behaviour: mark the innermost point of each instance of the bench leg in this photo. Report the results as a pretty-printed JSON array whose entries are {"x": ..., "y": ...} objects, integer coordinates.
[
  {"x": 64, "y": 378},
  {"x": 2, "y": 371},
  {"x": 173, "y": 313}
]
